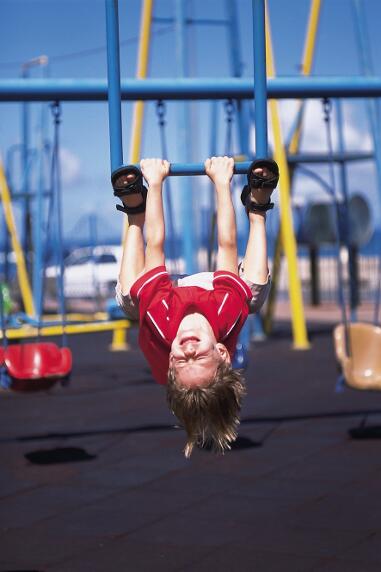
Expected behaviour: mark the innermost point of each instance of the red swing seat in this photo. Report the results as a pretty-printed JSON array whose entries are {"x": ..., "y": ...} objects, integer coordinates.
[{"x": 36, "y": 366}]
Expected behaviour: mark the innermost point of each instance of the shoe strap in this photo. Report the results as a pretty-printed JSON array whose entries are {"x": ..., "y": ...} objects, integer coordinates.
[{"x": 259, "y": 181}]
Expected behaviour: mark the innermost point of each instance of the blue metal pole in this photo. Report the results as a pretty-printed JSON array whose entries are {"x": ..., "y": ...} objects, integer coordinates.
[
  {"x": 114, "y": 89},
  {"x": 236, "y": 67},
  {"x": 25, "y": 170},
  {"x": 187, "y": 214},
  {"x": 366, "y": 66},
  {"x": 260, "y": 100},
  {"x": 353, "y": 283},
  {"x": 260, "y": 79},
  {"x": 211, "y": 225},
  {"x": 212, "y": 146},
  {"x": 341, "y": 147},
  {"x": 188, "y": 88},
  {"x": 38, "y": 219},
  {"x": 241, "y": 168},
  {"x": 235, "y": 53}
]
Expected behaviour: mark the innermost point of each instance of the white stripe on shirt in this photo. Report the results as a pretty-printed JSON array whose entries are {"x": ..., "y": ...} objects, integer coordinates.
[
  {"x": 238, "y": 317},
  {"x": 232, "y": 278},
  {"x": 223, "y": 302},
  {"x": 150, "y": 280},
  {"x": 155, "y": 324}
]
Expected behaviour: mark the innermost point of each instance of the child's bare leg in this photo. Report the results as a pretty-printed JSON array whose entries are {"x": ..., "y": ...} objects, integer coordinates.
[
  {"x": 255, "y": 262},
  {"x": 133, "y": 259}
]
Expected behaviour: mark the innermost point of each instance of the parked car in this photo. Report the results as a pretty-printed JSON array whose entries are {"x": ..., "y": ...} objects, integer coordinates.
[{"x": 89, "y": 272}]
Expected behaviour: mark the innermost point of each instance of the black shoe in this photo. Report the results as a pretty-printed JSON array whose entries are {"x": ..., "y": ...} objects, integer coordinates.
[
  {"x": 259, "y": 182},
  {"x": 123, "y": 188}
]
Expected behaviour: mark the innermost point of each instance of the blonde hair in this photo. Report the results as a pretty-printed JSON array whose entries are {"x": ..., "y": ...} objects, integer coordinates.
[{"x": 210, "y": 415}]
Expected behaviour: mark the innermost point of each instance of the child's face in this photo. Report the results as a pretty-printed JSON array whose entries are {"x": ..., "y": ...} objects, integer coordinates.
[{"x": 195, "y": 356}]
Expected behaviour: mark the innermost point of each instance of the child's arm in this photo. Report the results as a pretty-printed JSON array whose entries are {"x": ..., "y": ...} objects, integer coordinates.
[
  {"x": 220, "y": 171},
  {"x": 154, "y": 171}
]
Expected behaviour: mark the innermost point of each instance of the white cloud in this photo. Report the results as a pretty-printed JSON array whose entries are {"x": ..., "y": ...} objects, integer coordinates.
[
  {"x": 356, "y": 134},
  {"x": 70, "y": 167}
]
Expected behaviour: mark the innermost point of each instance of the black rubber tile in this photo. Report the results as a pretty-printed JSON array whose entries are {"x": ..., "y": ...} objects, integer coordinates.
[
  {"x": 225, "y": 519},
  {"x": 288, "y": 537},
  {"x": 192, "y": 480},
  {"x": 339, "y": 463},
  {"x": 343, "y": 565},
  {"x": 341, "y": 512},
  {"x": 277, "y": 488},
  {"x": 368, "y": 550},
  {"x": 244, "y": 558},
  {"x": 185, "y": 529},
  {"x": 367, "y": 486},
  {"x": 125, "y": 555},
  {"x": 282, "y": 499},
  {"x": 133, "y": 472},
  {"x": 41, "y": 546},
  {"x": 122, "y": 513},
  {"x": 30, "y": 507}
]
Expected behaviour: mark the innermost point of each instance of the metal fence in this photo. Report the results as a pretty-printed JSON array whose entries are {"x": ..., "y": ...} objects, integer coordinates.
[{"x": 368, "y": 277}]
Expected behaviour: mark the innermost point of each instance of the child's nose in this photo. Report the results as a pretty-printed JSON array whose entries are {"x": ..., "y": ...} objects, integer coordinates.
[{"x": 189, "y": 350}]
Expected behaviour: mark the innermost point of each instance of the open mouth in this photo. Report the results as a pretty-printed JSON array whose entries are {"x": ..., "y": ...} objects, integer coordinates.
[{"x": 186, "y": 339}]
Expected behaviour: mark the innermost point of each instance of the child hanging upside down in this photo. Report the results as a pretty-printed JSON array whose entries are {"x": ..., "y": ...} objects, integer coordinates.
[{"x": 189, "y": 327}]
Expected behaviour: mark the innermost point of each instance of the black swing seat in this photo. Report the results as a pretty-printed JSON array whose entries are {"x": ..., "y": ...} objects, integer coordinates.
[
  {"x": 36, "y": 366},
  {"x": 362, "y": 368}
]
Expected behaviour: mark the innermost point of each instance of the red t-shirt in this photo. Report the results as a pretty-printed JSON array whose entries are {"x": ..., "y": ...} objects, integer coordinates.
[{"x": 162, "y": 306}]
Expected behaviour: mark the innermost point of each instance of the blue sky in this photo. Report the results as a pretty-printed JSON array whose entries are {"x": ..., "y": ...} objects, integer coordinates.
[{"x": 72, "y": 34}]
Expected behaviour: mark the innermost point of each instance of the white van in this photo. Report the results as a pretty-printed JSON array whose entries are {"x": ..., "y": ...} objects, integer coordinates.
[{"x": 89, "y": 272}]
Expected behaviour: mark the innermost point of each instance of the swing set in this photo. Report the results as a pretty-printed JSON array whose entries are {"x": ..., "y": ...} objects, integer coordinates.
[
  {"x": 35, "y": 366},
  {"x": 357, "y": 344},
  {"x": 39, "y": 365},
  {"x": 237, "y": 89}
]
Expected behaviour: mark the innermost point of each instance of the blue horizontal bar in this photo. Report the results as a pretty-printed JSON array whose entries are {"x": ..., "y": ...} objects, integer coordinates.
[
  {"x": 187, "y": 88},
  {"x": 241, "y": 168},
  {"x": 337, "y": 157},
  {"x": 181, "y": 169}
]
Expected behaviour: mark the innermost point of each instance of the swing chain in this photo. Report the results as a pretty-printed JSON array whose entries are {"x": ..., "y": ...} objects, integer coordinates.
[
  {"x": 57, "y": 112},
  {"x": 161, "y": 112},
  {"x": 342, "y": 236},
  {"x": 229, "y": 110},
  {"x": 327, "y": 109}
]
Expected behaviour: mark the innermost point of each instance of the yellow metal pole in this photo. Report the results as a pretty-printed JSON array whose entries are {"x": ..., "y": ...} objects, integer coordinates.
[
  {"x": 119, "y": 340},
  {"x": 141, "y": 73},
  {"x": 57, "y": 330},
  {"x": 25, "y": 289},
  {"x": 299, "y": 329},
  {"x": 308, "y": 54}
]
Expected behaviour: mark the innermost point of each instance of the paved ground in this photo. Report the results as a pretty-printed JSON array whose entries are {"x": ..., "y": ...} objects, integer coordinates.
[{"x": 93, "y": 479}]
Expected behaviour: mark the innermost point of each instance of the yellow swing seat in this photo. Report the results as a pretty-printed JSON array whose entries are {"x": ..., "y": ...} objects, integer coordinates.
[{"x": 362, "y": 368}]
